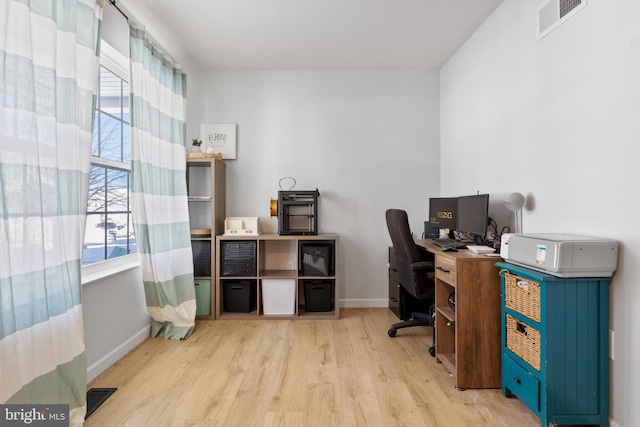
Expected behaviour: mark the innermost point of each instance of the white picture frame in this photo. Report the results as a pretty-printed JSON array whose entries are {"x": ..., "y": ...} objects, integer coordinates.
[{"x": 219, "y": 138}]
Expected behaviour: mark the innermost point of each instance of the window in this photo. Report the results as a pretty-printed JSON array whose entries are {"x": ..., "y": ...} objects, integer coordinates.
[{"x": 109, "y": 230}]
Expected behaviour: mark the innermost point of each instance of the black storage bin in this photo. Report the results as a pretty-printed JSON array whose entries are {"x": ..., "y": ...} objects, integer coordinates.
[
  {"x": 318, "y": 295},
  {"x": 316, "y": 259},
  {"x": 201, "y": 257},
  {"x": 238, "y": 258},
  {"x": 239, "y": 296}
]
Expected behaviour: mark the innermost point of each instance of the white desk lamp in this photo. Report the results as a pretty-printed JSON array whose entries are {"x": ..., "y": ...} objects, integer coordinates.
[{"x": 514, "y": 203}]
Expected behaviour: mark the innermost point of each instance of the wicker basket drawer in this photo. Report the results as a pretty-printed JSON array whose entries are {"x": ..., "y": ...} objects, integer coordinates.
[
  {"x": 524, "y": 341},
  {"x": 522, "y": 296}
]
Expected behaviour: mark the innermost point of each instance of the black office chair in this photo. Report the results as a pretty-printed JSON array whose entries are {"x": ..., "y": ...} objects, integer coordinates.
[{"x": 415, "y": 271}]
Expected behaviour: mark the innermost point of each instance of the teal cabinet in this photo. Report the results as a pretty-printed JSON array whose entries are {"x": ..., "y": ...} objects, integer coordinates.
[
  {"x": 203, "y": 297},
  {"x": 555, "y": 345}
]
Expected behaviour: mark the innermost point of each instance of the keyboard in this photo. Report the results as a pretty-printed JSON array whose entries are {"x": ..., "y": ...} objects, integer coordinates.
[{"x": 450, "y": 243}]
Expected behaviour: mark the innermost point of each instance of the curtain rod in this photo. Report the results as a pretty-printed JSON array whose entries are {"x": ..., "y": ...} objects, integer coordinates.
[{"x": 113, "y": 3}]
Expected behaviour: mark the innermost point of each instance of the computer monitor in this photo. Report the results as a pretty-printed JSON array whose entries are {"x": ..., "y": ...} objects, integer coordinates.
[
  {"x": 443, "y": 212},
  {"x": 473, "y": 216}
]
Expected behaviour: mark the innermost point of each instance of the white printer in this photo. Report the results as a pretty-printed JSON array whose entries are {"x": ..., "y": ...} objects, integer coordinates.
[{"x": 562, "y": 255}]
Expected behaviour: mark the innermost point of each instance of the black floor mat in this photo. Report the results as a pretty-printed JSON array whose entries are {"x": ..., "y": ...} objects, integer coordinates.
[{"x": 96, "y": 397}]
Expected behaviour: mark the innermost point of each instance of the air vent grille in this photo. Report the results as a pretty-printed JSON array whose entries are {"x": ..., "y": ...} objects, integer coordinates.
[
  {"x": 552, "y": 13},
  {"x": 567, "y": 6}
]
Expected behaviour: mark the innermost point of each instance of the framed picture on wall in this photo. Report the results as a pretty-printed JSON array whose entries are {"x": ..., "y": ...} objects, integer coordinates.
[{"x": 219, "y": 138}]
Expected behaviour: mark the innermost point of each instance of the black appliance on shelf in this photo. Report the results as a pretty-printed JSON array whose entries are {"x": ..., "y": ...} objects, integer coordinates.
[{"x": 298, "y": 212}]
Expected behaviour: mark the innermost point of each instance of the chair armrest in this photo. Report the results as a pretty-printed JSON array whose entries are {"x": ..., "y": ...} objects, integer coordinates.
[{"x": 422, "y": 265}]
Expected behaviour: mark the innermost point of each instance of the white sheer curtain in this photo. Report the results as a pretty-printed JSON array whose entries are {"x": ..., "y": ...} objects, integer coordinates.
[
  {"x": 48, "y": 73},
  {"x": 159, "y": 187}
]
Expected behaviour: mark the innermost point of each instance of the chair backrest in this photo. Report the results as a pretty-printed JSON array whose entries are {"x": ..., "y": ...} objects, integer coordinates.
[{"x": 407, "y": 252}]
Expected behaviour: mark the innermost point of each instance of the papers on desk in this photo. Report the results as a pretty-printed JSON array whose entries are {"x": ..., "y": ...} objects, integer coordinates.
[{"x": 480, "y": 249}]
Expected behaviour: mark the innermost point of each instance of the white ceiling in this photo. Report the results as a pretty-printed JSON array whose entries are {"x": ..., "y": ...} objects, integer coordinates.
[{"x": 312, "y": 34}]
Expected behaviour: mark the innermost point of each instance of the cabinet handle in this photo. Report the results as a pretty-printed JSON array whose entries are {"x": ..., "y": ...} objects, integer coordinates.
[
  {"x": 444, "y": 270},
  {"x": 517, "y": 380},
  {"x": 393, "y": 299},
  {"x": 451, "y": 323}
]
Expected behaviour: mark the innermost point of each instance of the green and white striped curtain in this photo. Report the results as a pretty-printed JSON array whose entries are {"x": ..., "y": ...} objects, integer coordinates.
[
  {"x": 48, "y": 74},
  {"x": 159, "y": 190}
]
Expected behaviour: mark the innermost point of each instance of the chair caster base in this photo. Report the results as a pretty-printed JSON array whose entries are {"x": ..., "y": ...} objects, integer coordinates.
[{"x": 392, "y": 332}]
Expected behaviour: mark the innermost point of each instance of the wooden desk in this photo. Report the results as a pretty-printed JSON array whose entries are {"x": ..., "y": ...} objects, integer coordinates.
[{"x": 467, "y": 338}]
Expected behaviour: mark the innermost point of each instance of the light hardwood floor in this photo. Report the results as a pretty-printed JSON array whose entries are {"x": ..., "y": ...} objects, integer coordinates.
[{"x": 305, "y": 373}]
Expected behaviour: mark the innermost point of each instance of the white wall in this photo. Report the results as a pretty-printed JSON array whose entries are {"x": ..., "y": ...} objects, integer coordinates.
[
  {"x": 368, "y": 140},
  {"x": 557, "y": 120},
  {"x": 115, "y": 318}
]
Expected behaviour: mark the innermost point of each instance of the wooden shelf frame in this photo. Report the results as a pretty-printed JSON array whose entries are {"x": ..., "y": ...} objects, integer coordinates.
[
  {"x": 279, "y": 257},
  {"x": 206, "y": 198}
]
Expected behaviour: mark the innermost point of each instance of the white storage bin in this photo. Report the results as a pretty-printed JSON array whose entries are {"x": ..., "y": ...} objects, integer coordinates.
[
  {"x": 278, "y": 296},
  {"x": 241, "y": 226}
]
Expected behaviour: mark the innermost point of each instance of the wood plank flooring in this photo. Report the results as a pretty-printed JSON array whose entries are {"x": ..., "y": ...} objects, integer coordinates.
[{"x": 305, "y": 373}]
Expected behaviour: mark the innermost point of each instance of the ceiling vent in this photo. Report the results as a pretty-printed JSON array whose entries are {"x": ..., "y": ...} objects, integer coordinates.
[{"x": 552, "y": 13}]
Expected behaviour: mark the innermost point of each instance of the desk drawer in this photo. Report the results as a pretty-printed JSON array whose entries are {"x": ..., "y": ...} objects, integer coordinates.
[
  {"x": 521, "y": 383},
  {"x": 393, "y": 274},
  {"x": 446, "y": 269},
  {"x": 394, "y": 295}
]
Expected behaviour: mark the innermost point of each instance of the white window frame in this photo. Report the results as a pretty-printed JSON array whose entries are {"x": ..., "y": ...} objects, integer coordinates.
[{"x": 119, "y": 65}]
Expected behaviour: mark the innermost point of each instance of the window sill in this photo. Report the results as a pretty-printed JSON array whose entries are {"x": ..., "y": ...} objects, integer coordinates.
[{"x": 92, "y": 273}]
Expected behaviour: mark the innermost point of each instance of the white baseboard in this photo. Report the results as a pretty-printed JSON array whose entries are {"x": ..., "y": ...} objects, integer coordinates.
[
  {"x": 613, "y": 423},
  {"x": 363, "y": 303},
  {"x": 117, "y": 353}
]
